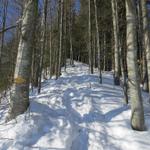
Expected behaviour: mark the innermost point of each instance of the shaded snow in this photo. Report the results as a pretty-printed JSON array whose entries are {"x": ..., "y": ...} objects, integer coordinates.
[{"x": 75, "y": 112}]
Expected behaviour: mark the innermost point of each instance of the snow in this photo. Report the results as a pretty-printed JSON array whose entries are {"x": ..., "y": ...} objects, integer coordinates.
[{"x": 75, "y": 112}]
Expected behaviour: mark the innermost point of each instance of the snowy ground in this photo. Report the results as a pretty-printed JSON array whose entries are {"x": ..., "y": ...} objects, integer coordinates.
[{"x": 75, "y": 113}]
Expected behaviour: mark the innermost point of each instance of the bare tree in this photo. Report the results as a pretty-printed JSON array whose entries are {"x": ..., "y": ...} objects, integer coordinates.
[
  {"x": 2, "y": 34},
  {"x": 43, "y": 41},
  {"x": 60, "y": 36},
  {"x": 116, "y": 42},
  {"x": 70, "y": 30},
  {"x": 90, "y": 39},
  {"x": 98, "y": 41},
  {"x": 137, "y": 117},
  {"x": 146, "y": 42},
  {"x": 20, "y": 91}
]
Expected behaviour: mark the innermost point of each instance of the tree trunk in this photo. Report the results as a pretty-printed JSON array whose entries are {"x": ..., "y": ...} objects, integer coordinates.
[
  {"x": 137, "y": 118},
  {"x": 123, "y": 68},
  {"x": 20, "y": 91},
  {"x": 116, "y": 42},
  {"x": 70, "y": 30},
  {"x": 58, "y": 41},
  {"x": 43, "y": 41},
  {"x": 139, "y": 39},
  {"x": 105, "y": 52},
  {"x": 50, "y": 43},
  {"x": 94, "y": 51},
  {"x": 145, "y": 73},
  {"x": 90, "y": 40},
  {"x": 98, "y": 41},
  {"x": 2, "y": 35},
  {"x": 60, "y": 36},
  {"x": 65, "y": 37},
  {"x": 146, "y": 38}
]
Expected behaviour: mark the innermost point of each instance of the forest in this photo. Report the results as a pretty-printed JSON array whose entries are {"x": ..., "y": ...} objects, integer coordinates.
[{"x": 74, "y": 74}]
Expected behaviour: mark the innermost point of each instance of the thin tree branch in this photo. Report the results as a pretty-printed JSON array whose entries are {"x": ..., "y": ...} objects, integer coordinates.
[{"x": 8, "y": 28}]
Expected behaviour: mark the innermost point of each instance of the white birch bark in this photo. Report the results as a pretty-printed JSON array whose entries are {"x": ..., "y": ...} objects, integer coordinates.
[
  {"x": 98, "y": 41},
  {"x": 116, "y": 42},
  {"x": 20, "y": 92},
  {"x": 137, "y": 117}
]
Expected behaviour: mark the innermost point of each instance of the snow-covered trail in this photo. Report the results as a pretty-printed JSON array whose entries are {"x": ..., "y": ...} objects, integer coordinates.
[{"x": 75, "y": 112}]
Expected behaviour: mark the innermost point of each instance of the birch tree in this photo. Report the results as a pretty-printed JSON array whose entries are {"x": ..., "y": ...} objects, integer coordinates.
[
  {"x": 137, "y": 117},
  {"x": 116, "y": 42},
  {"x": 98, "y": 41},
  {"x": 146, "y": 40},
  {"x": 19, "y": 101}
]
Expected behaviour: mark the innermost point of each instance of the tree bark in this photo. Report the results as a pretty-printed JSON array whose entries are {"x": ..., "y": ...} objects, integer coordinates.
[
  {"x": 43, "y": 41},
  {"x": 2, "y": 34},
  {"x": 50, "y": 43},
  {"x": 90, "y": 39},
  {"x": 60, "y": 36},
  {"x": 98, "y": 42},
  {"x": 137, "y": 117},
  {"x": 146, "y": 38},
  {"x": 70, "y": 30},
  {"x": 116, "y": 42},
  {"x": 19, "y": 101}
]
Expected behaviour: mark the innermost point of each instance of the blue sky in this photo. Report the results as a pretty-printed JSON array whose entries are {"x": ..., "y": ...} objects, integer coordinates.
[
  {"x": 13, "y": 15},
  {"x": 77, "y": 5}
]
